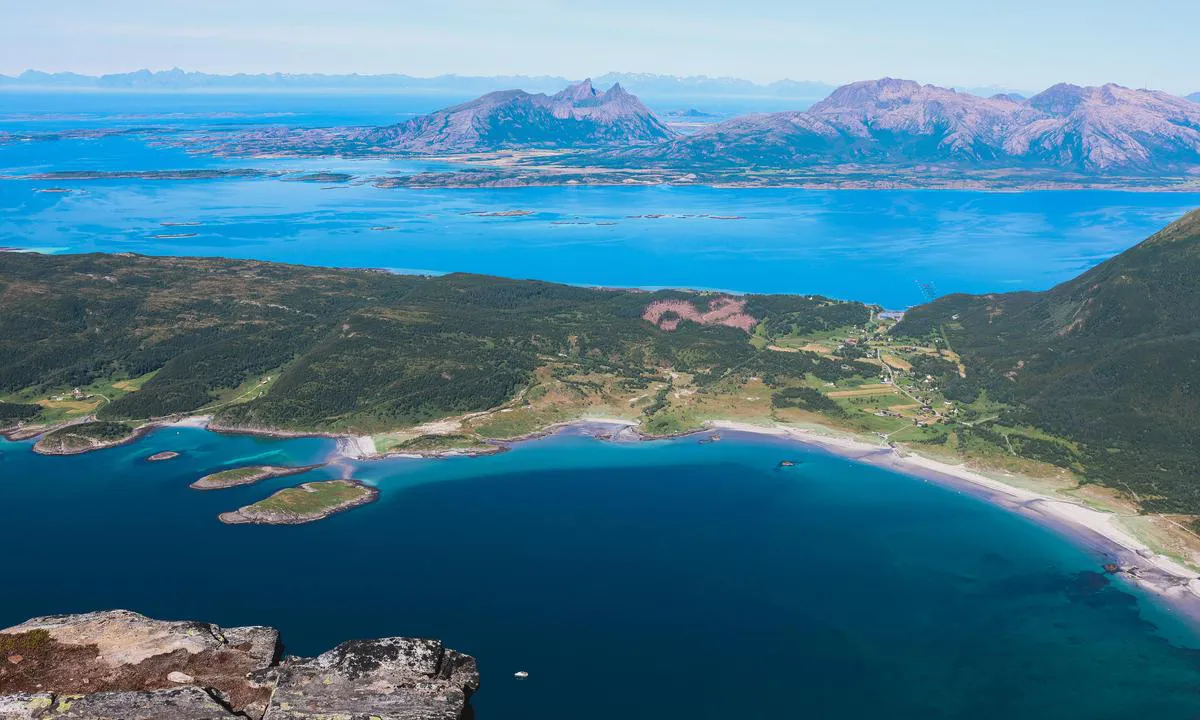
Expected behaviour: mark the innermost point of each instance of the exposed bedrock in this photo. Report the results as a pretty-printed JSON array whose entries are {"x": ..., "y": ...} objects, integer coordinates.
[{"x": 119, "y": 664}]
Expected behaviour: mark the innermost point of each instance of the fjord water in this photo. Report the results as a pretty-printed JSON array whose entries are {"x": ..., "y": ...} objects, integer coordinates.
[
  {"x": 874, "y": 246},
  {"x": 634, "y": 580}
]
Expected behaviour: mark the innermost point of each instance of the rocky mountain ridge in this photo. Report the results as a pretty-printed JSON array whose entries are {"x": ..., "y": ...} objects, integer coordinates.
[
  {"x": 578, "y": 116},
  {"x": 119, "y": 664},
  {"x": 1083, "y": 129}
]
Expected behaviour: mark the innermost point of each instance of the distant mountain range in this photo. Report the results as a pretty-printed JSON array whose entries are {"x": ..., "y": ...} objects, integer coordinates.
[
  {"x": 874, "y": 131},
  {"x": 1084, "y": 129},
  {"x": 642, "y": 83}
]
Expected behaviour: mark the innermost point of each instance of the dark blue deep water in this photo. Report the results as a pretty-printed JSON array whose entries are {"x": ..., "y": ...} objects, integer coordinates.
[
  {"x": 645, "y": 580},
  {"x": 648, "y": 580}
]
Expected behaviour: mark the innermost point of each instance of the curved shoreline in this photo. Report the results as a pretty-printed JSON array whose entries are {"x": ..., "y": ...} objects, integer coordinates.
[
  {"x": 1095, "y": 530},
  {"x": 1092, "y": 529}
]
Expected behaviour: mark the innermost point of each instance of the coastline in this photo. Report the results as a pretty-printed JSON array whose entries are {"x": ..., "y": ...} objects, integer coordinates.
[
  {"x": 1096, "y": 530},
  {"x": 1093, "y": 529}
]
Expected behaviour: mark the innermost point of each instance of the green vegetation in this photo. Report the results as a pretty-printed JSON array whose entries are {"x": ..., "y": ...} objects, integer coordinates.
[
  {"x": 1099, "y": 373},
  {"x": 233, "y": 477},
  {"x": 1093, "y": 379},
  {"x": 236, "y": 474},
  {"x": 343, "y": 350},
  {"x": 13, "y": 413},
  {"x": 806, "y": 398},
  {"x": 312, "y": 498},
  {"x": 24, "y": 642},
  {"x": 84, "y": 436},
  {"x": 102, "y": 430},
  {"x": 435, "y": 443}
]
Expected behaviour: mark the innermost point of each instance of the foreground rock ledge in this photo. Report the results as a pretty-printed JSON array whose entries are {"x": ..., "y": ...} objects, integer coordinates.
[{"x": 119, "y": 664}]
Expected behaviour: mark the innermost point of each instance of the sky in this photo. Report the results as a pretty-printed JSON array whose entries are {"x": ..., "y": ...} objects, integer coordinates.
[{"x": 1019, "y": 44}]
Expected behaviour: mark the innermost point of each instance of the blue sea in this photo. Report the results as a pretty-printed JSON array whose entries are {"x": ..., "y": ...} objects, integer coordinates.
[
  {"x": 631, "y": 580},
  {"x": 875, "y": 246}
]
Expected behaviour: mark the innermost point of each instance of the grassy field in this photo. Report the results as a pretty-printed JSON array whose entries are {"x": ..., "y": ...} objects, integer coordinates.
[
  {"x": 313, "y": 498},
  {"x": 235, "y": 476},
  {"x": 431, "y": 443}
]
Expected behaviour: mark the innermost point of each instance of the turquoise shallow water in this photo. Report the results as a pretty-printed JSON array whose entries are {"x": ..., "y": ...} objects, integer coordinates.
[{"x": 662, "y": 579}]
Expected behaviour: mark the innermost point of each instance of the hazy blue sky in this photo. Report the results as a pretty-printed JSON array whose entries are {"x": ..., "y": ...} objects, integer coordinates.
[{"x": 1024, "y": 44}]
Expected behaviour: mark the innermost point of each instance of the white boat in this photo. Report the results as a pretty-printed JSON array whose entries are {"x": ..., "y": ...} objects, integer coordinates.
[{"x": 520, "y": 675}]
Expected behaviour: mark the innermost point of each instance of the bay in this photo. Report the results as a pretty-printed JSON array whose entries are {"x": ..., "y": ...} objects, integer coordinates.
[{"x": 652, "y": 579}]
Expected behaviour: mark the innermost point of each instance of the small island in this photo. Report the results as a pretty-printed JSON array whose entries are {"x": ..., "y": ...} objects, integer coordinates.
[
  {"x": 85, "y": 437},
  {"x": 304, "y": 503},
  {"x": 434, "y": 445},
  {"x": 165, "y": 455},
  {"x": 247, "y": 476}
]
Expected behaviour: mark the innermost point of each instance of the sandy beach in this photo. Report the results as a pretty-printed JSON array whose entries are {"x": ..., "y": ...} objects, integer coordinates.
[
  {"x": 1127, "y": 556},
  {"x": 1093, "y": 528}
]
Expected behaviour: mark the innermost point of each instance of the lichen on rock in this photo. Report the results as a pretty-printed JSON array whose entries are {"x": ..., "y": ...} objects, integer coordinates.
[{"x": 119, "y": 664}]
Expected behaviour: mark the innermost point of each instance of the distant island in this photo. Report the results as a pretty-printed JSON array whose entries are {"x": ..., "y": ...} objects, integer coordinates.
[{"x": 885, "y": 133}]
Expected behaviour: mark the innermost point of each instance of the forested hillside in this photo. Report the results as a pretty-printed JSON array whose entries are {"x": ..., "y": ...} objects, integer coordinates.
[
  {"x": 337, "y": 349},
  {"x": 1109, "y": 360}
]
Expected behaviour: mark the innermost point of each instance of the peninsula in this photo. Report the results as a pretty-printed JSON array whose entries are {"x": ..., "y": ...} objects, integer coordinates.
[
  {"x": 235, "y": 477},
  {"x": 1080, "y": 391}
]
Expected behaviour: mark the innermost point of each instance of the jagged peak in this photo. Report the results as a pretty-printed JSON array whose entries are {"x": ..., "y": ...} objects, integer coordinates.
[
  {"x": 578, "y": 92},
  {"x": 887, "y": 90},
  {"x": 1059, "y": 99}
]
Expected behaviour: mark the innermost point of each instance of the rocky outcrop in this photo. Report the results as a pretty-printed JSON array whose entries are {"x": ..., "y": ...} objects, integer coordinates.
[
  {"x": 393, "y": 677},
  {"x": 82, "y": 437},
  {"x": 247, "y": 476},
  {"x": 119, "y": 664}
]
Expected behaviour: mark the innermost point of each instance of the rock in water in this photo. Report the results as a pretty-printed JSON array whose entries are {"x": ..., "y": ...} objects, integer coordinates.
[{"x": 119, "y": 664}]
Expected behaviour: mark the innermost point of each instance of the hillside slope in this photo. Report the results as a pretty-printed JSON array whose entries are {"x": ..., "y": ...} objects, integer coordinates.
[
  {"x": 1110, "y": 359},
  {"x": 347, "y": 349}
]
